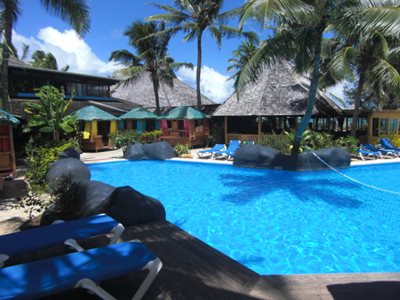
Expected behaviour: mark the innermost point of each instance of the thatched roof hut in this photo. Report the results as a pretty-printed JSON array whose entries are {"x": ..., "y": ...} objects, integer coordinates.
[
  {"x": 279, "y": 91},
  {"x": 142, "y": 93},
  {"x": 273, "y": 104}
]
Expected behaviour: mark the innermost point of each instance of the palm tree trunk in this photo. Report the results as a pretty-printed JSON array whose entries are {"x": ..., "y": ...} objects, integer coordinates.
[
  {"x": 8, "y": 25},
  {"x": 156, "y": 86},
  {"x": 312, "y": 92},
  {"x": 357, "y": 103},
  {"x": 198, "y": 71}
]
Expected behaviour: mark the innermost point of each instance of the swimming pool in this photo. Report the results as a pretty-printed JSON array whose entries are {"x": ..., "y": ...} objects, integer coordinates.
[{"x": 277, "y": 222}]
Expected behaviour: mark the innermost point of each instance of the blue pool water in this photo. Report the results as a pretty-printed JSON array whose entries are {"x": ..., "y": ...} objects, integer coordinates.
[{"x": 277, "y": 222}]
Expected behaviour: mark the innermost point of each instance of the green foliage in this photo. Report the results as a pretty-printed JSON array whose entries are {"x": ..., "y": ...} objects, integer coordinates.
[
  {"x": 39, "y": 159},
  {"x": 49, "y": 114},
  {"x": 182, "y": 149},
  {"x": 311, "y": 140},
  {"x": 279, "y": 142},
  {"x": 150, "y": 136},
  {"x": 348, "y": 142},
  {"x": 125, "y": 138}
]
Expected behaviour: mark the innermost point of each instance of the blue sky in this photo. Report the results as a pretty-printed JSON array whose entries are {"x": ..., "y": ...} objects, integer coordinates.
[{"x": 109, "y": 19}]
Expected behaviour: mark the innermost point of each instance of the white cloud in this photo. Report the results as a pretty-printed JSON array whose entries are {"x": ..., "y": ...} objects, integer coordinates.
[
  {"x": 214, "y": 85},
  {"x": 68, "y": 48}
]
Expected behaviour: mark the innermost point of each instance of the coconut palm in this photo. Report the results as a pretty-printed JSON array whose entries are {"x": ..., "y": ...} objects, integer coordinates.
[
  {"x": 75, "y": 12},
  {"x": 150, "y": 40},
  {"x": 45, "y": 60},
  {"x": 240, "y": 58},
  {"x": 194, "y": 17},
  {"x": 301, "y": 25},
  {"x": 369, "y": 57}
]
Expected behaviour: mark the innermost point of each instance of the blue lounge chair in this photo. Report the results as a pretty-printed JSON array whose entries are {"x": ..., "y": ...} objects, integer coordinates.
[
  {"x": 372, "y": 148},
  {"x": 57, "y": 234},
  {"x": 387, "y": 144},
  {"x": 230, "y": 152},
  {"x": 79, "y": 269},
  {"x": 367, "y": 153},
  {"x": 210, "y": 152}
]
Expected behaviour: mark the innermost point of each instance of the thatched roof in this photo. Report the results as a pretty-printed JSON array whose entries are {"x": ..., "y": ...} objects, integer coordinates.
[
  {"x": 142, "y": 93},
  {"x": 184, "y": 112},
  {"x": 279, "y": 91},
  {"x": 91, "y": 112},
  {"x": 138, "y": 113}
]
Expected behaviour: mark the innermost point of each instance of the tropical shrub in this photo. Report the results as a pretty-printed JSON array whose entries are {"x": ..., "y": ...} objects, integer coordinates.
[
  {"x": 348, "y": 142},
  {"x": 182, "y": 149},
  {"x": 39, "y": 159},
  {"x": 124, "y": 138},
  {"x": 49, "y": 114},
  {"x": 279, "y": 142},
  {"x": 150, "y": 136}
]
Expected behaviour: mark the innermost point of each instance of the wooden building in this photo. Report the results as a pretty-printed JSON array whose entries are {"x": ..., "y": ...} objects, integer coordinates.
[
  {"x": 7, "y": 153},
  {"x": 185, "y": 125},
  {"x": 274, "y": 103}
]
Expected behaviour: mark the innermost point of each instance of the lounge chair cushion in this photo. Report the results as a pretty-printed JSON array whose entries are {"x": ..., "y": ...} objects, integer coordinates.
[
  {"x": 56, "y": 234},
  {"x": 57, "y": 274}
]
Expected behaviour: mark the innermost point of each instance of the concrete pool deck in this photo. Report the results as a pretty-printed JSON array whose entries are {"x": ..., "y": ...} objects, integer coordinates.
[{"x": 117, "y": 155}]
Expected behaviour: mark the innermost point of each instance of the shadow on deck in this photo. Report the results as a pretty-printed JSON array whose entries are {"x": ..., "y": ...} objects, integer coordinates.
[{"x": 194, "y": 270}]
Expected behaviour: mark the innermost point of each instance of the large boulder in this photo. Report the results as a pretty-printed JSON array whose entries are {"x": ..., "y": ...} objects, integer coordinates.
[
  {"x": 67, "y": 170},
  {"x": 124, "y": 204},
  {"x": 130, "y": 207},
  {"x": 85, "y": 198},
  {"x": 159, "y": 150},
  {"x": 135, "y": 152},
  {"x": 70, "y": 153},
  {"x": 254, "y": 156},
  {"x": 266, "y": 157}
]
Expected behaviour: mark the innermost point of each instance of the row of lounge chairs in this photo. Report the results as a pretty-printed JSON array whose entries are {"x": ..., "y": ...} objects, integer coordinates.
[
  {"x": 385, "y": 149},
  {"x": 220, "y": 151},
  {"x": 84, "y": 268}
]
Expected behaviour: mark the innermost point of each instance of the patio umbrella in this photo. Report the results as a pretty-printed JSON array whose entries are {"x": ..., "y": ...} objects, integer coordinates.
[
  {"x": 6, "y": 117},
  {"x": 185, "y": 112},
  {"x": 139, "y": 113},
  {"x": 91, "y": 113}
]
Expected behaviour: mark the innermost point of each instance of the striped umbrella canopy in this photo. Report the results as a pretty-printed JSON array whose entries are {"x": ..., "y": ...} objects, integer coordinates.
[
  {"x": 91, "y": 113},
  {"x": 6, "y": 117},
  {"x": 184, "y": 112},
  {"x": 138, "y": 113}
]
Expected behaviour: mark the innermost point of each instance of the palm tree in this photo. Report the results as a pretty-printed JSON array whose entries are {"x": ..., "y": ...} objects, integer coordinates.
[
  {"x": 150, "y": 40},
  {"x": 194, "y": 17},
  {"x": 301, "y": 25},
  {"x": 45, "y": 60},
  {"x": 369, "y": 57},
  {"x": 240, "y": 58},
  {"x": 75, "y": 12}
]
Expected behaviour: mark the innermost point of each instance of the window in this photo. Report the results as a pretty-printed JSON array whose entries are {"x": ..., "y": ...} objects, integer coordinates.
[
  {"x": 392, "y": 126},
  {"x": 375, "y": 126},
  {"x": 383, "y": 126}
]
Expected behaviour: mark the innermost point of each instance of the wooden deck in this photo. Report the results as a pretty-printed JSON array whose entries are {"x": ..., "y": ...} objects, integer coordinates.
[{"x": 194, "y": 270}]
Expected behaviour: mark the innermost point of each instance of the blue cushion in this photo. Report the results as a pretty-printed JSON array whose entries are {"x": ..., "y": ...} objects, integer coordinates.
[
  {"x": 52, "y": 235},
  {"x": 57, "y": 274}
]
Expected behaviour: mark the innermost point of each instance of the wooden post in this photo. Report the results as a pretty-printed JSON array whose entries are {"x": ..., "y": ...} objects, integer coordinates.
[
  {"x": 12, "y": 150},
  {"x": 259, "y": 130},
  {"x": 226, "y": 129}
]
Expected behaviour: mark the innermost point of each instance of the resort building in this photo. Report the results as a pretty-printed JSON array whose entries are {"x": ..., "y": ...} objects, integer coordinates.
[
  {"x": 275, "y": 103},
  {"x": 141, "y": 92}
]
